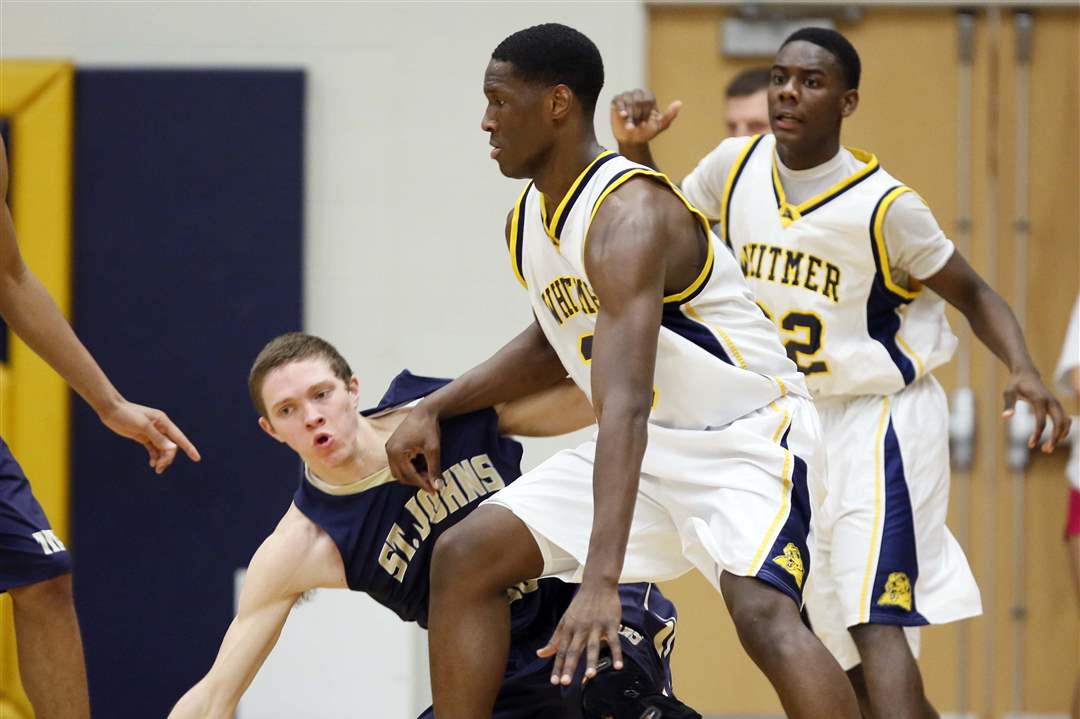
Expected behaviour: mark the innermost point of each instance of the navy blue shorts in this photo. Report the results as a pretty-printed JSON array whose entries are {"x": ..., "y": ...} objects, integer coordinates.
[
  {"x": 29, "y": 551},
  {"x": 647, "y": 638}
]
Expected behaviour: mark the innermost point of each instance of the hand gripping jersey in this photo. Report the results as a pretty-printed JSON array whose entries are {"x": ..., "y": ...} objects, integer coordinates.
[
  {"x": 718, "y": 358},
  {"x": 820, "y": 270},
  {"x": 386, "y": 531}
]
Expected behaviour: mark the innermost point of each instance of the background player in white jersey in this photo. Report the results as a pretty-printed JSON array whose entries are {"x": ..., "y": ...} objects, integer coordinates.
[
  {"x": 707, "y": 447},
  {"x": 351, "y": 526},
  {"x": 838, "y": 253},
  {"x": 35, "y": 568}
]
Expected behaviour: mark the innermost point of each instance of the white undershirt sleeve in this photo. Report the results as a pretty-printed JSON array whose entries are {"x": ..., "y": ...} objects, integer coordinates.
[
  {"x": 704, "y": 186},
  {"x": 916, "y": 244}
]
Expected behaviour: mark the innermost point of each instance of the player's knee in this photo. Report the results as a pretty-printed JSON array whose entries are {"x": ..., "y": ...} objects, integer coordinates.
[
  {"x": 45, "y": 596},
  {"x": 882, "y": 643},
  {"x": 459, "y": 552},
  {"x": 767, "y": 622}
]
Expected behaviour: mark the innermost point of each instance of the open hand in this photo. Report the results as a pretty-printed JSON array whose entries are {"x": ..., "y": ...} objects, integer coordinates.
[{"x": 592, "y": 617}]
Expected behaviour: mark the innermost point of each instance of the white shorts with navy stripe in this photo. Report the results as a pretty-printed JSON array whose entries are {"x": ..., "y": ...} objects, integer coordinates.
[
  {"x": 737, "y": 499},
  {"x": 884, "y": 554}
]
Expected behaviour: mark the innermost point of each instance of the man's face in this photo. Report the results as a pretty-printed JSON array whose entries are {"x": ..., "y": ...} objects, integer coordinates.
[
  {"x": 311, "y": 410},
  {"x": 515, "y": 120},
  {"x": 808, "y": 95},
  {"x": 747, "y": 115}
]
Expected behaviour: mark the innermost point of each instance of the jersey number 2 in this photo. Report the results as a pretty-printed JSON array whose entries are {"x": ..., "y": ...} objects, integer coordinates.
[{"x": 802, "y": 334}]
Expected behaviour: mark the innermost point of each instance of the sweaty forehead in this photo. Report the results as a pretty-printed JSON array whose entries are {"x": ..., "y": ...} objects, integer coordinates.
[{"x": 807, "y": 56}]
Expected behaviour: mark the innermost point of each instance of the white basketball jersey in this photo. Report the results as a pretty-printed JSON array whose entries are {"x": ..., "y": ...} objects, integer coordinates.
[
  {"x": 820, "y": 270},
  {"x": 718, "y": 357}
]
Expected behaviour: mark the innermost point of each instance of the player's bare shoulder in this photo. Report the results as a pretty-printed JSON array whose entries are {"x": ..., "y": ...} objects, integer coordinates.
[
  {"x": 644, "y": 202},
  {"x": 304, "y": 552},
  {"x": 645, "y": 218}
]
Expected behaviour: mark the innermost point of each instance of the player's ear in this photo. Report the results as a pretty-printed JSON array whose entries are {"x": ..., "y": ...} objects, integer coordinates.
[
  {"x": 264, "y": 423},
  {"x": 561, "y": 98},
  {"x": 353, "y": 387},
  {"x": 848, "y": 102}
]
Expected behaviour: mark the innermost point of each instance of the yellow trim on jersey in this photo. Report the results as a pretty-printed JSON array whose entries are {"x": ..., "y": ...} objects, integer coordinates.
[
  {"x": 920, "y": 367},
  {"x": 689, "y": 309},
  {"x": 879, "y": 240},
  {"x": 513, "y": 241},
  {"x": 879, "y": 487},
  {"x": 729, "y": 185},
  {"x": 789, "y": 212},
  {"x": 783, "y": 421},
  {"x": 769, "y": 538},
  {"x": 706, "y": 269},
  {"x": 779, "y": 383},
  {"x": 549, "y": 227}
]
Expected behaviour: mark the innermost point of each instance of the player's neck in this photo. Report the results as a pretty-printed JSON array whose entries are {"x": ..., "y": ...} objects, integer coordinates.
[
  {"x": 808, "y": 157},
  {"x": 564, "y": 166}
]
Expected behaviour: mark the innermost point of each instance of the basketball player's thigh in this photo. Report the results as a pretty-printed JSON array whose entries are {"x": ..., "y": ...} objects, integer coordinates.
[
  {"x": 555, "y": 502},
  {"x": 739, "y": 494}
]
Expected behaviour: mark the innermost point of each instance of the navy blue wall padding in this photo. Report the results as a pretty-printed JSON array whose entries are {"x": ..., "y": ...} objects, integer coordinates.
[{"x": 188, "y": 249}]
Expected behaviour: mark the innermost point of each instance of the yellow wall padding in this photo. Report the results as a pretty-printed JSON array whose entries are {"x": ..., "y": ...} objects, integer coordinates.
[{"x": 37, "y": 99}]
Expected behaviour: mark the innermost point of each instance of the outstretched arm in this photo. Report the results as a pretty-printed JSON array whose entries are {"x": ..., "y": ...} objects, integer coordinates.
[
  {"x": 31, "y": 313},
  {"x": 995, "y": 325},
  {"x": 297, "y": 557}
]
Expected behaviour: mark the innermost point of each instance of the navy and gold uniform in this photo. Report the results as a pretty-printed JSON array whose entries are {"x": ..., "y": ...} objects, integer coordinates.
[
  {"x": 386, "y": 532},
  {"x": 29, "y": 551}
]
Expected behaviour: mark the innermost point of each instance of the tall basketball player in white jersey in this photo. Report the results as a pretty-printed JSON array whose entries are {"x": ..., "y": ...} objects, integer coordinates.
[
  {"x": 839, "y": 253},
  {"x": 708, "y": 449}
]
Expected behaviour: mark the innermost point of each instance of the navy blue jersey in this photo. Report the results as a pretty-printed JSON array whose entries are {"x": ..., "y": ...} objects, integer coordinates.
[{"x": 386, "y": 531}]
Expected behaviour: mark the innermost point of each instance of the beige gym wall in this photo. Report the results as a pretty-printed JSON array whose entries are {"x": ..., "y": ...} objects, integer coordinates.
[{"x": 908, "y": 117}]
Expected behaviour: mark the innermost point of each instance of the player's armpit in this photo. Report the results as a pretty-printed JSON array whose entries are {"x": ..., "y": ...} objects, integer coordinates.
[{"x": 559, "y": 409}]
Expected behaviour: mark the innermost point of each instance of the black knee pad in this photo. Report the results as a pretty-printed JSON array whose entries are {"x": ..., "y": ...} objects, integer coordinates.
[{"x": 628, "y": 693}]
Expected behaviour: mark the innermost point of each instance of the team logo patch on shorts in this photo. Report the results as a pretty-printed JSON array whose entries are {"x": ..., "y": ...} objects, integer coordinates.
[
  {"x": 897, "y": 592},
  {"x": 791, "y": 561}
]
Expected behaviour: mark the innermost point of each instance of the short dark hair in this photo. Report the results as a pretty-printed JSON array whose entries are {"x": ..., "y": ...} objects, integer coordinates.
[
  {"x": 748, "y": 82},
  {"x": 555, "y": 54},
  {"x": 292, "y": 347},
  {"x": 837, "y": 45}
]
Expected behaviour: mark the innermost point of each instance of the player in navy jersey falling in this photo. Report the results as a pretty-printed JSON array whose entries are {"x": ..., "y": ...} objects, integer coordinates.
[{"x": 351, "y": 526}]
